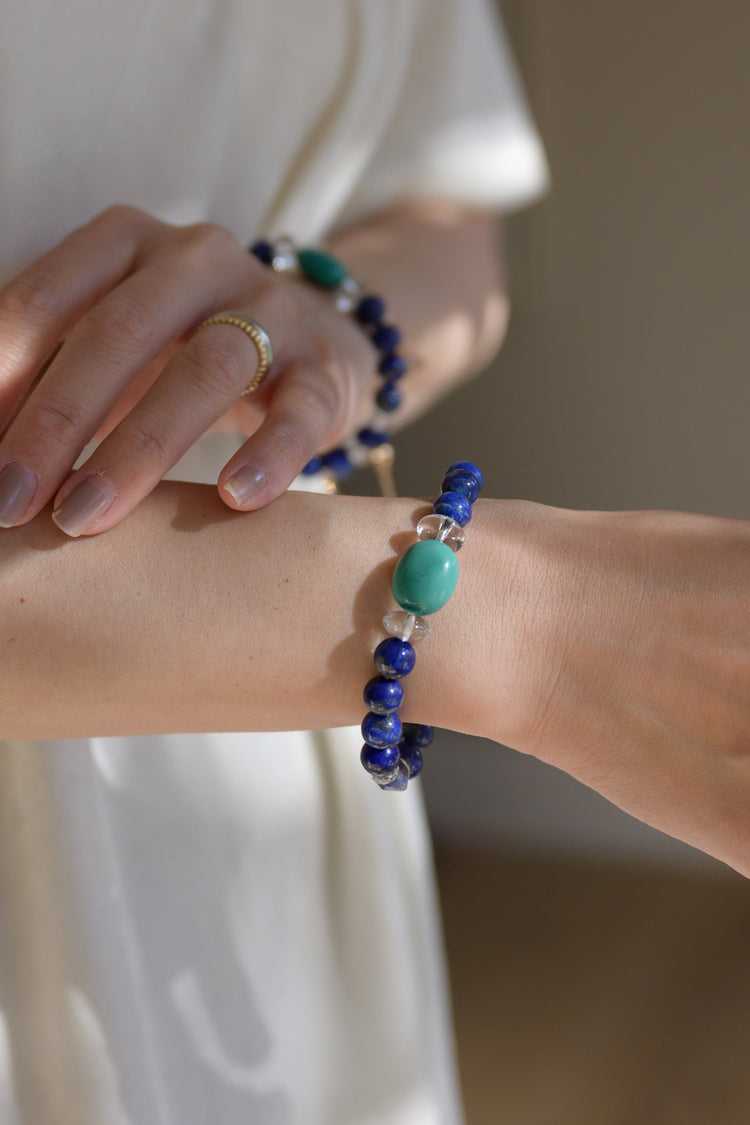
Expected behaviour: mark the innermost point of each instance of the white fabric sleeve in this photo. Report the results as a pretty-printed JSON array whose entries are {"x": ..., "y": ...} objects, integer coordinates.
[{"x": 461, "y": 126}]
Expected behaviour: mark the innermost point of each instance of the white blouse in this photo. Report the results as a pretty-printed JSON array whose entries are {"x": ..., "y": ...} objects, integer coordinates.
[{"x": 231, "y": 929}]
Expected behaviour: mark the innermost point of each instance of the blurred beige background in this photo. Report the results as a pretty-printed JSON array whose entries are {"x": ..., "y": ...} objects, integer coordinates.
[{"x": 600, "y": 970}]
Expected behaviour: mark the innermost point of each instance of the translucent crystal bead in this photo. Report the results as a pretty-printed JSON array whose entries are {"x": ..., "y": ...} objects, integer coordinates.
[
  {"x": 284, "y": 256},
  {"x": 348, "y": 295},
  {"x": 358, "y": 454},
  {"x": 443, "y": 528},
  {"x": 406, "y": 626}
]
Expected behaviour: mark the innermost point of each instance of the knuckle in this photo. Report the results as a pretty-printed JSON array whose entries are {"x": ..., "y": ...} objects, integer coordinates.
[
  {"x": 34, "y": 294},
  {"x": 58, "y": 420},
  {"x": 287, "y": 444},
  {"x": 125, "y": 323},
  {"x": 215, "y": 367},
  {"x": 150, "y": 440},
  {"x": 209, "y": 239},
  {"x": 121, "y": 214},
  {"x": 319, "y": 396}
]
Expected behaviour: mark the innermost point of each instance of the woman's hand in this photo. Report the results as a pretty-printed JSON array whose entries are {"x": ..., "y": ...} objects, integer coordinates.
[
  {"x": 620, "y": 652},
  {"x": 97, "y": 339}
]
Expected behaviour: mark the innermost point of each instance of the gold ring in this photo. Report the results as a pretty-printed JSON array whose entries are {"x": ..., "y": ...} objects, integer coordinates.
[{"x": 259, "y": 337}]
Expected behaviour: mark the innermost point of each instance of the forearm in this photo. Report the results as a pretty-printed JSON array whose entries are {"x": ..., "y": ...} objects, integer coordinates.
[
  {"x": 438, "y": 265},
  {"x": 191, "y": 617}
]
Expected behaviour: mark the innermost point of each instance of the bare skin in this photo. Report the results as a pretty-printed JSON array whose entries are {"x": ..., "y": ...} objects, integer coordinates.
[
  {"x": 613, "y": 645},
  {"x": 125, "y": 293}
]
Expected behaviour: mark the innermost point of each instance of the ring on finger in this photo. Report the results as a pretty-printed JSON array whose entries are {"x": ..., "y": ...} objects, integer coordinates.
[{"x": 259, "y": 337}]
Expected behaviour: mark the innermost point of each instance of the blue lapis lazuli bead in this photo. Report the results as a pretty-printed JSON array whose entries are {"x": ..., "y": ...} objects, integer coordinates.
[
  {"x": 370, "y": 310},
  {"x": 400, "y": 781},
  {"x": 418, "y": 734},
  {"x": 372, "y": 438},
  {"x": 381, "y": 730},
  {"x": 393, "y": 366},
  {"x": 386, "y": 337},
  {"x": 394, "y": 657},
  {"x": 388, "y": 397},
  {"x": 455, "y": 505},
  {"x": 313, "y": 466},
  {"x": 467, "y": 467},
  {"x": 383, "y": 695},
  {"x": 263, "y": 251},
  {"x": 458, "y": 480},
  {"x": 380, "y": 761},
  {"x": 411, "y": 756},
  {"x": 337, "y": 460}
]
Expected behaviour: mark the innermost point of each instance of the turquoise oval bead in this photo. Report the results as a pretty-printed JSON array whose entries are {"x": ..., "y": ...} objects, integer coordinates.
[
  {"x": 321, "y": 268},
  {"x": 425, "y": 576}
]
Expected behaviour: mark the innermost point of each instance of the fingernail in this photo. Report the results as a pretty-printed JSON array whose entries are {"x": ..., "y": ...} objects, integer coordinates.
[
  {"x": 245, "y": 483},
  {"x": 86, "y": 503},
  {"x": 18, "y": 483}
]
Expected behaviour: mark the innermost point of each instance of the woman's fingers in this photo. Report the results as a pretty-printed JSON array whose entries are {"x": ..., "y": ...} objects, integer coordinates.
[
  {"x": 198, "y": 385},
  {"x": 123, "y": 294},
  {"x": 38, "y": 307},
  {"x": 103, "y": 357},
  {"x": 307, "y": 406}
]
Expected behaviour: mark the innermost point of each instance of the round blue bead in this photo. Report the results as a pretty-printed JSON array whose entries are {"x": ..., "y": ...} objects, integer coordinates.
[
  {"x": 386, "y": 337},
  {"x": 370, "y": 310},
  {"x": 393, "y": 366},
  {"x": 388, "y": 397},
  {"x": 411, "y": 756},
  {"x": 458, "y": 480},
  {"x": 381, "y": 730},
  {"x": 337, "y": 460},
  {"x": 418, "y": 734},
  {"x": 372, "y": 438},
  {"x": 455, "y": 505},
  {"x": 400, "y": 781},
  {"x": 468, "y": 467},
  {"x": 382, "y": 761},
  {"x": 394, "y": 657},
  {"x": 263, "y": 251},
  {"x": 383, "y": 695},
  {"x": 313, "y": 466}
]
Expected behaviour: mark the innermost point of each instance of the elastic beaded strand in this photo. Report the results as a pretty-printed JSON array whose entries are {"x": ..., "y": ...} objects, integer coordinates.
[
  {"x": 369, "y": 310},
  {"x": 423, "y": 581}
]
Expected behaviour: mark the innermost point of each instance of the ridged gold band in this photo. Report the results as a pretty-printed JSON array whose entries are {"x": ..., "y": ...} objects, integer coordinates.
[{"x": 259, "y": 337}]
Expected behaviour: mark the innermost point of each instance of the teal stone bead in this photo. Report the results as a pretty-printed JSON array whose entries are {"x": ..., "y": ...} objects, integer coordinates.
[
  {"x": 425, "y": 577},
  {"x": 321, "y": 268}
]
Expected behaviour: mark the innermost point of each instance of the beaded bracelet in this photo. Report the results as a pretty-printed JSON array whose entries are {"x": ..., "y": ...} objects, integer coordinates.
[
  {"x": 423, "y": 581},
  {"x": 327, "y": 272}
]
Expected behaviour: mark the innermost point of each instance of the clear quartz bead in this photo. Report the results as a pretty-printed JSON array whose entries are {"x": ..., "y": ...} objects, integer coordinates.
[
  {"x": 442, "y": 528},
  {"x": 358, "y": 454},
  {"x": 284, "y": 256},
  {"x": 406, "y": 626},
  {"x": 348, "y": 294}
]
